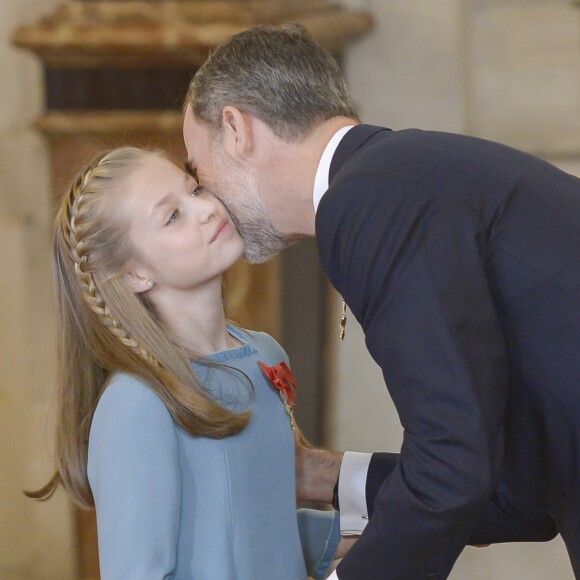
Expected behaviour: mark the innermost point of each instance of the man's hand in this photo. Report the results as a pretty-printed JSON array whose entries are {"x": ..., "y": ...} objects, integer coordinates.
[
  {"x": 316, "y": 471},
  {"x": 344, "y": 545}
]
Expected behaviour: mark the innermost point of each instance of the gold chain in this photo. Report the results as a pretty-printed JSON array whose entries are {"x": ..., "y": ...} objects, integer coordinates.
[
  {"x": 343, "y": 321},
  {"x": 288, "y": 409}
]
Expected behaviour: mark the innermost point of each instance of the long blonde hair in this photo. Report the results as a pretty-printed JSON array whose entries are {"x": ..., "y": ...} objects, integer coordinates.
[{"x": 105, "y": 327}]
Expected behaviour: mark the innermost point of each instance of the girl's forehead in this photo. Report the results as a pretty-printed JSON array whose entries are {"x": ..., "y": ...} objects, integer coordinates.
[
  {"x": 152, "y": 184},
  {"x": 159, "y": 167},
  {"x": 153, "y": 171}
]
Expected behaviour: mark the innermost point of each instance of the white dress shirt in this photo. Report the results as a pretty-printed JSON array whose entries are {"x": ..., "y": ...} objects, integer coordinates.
[
  {"x": 354, "y": 466},
  {"x": 321, "y": 178}
]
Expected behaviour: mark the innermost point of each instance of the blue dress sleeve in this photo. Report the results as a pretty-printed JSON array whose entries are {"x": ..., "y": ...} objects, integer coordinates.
[
  {"x": 133, "y": 470},
  {"x": 320, "y": 535}
]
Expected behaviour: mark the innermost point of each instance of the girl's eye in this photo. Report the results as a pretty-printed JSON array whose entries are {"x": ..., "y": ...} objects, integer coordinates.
[
  {"x": 197, "y": 191},
  {"x": 172, "y": 217}
]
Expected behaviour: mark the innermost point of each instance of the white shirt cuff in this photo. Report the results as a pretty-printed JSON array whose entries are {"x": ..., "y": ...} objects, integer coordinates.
[
  {"x": 333, "y": 576},
  {"x": 352, "y": 498}
]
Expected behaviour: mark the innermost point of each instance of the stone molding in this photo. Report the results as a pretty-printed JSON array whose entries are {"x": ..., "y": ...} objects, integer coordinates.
[
  {"x": 57, "y": 124},
  {"x": 128, "y": 33}
]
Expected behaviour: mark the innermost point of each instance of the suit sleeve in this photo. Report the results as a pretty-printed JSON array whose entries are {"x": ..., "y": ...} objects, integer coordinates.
[
  {"x": 415, "y": 277},
  {"x": 497, "y": 521},
  {"x": 135, "y": 479}
]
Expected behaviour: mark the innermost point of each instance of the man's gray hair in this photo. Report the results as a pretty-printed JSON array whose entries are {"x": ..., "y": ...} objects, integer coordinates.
[{"x": 281, "y": 75}]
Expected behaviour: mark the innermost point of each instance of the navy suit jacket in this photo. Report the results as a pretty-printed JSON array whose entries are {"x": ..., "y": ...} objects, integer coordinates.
[{"x": 461, "y": 260}]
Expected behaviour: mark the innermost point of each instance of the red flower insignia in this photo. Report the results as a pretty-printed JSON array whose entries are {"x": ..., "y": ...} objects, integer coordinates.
[
  {"x": 284, "y": 382},
  {"x": 282, "y": 378}
]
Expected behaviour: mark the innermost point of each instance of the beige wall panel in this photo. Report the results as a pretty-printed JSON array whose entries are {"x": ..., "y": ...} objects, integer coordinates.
[
  {"x": 411, "y": 65},
  {"x": 35, "y": 539},
  {"x": 525, "y": 74}
]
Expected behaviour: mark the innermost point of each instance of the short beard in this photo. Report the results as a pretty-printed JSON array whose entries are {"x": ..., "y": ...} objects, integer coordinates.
[
  {"x": 239, "y": 191},
  {"x": 262, "y": 240}
]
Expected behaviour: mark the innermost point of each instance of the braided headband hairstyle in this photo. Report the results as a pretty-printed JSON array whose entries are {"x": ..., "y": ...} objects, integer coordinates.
[{"x": 105, "y": 327}]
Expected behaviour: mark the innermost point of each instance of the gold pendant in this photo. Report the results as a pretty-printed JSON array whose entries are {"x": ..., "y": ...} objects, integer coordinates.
[
  {"x": 343, "y": 321},
  {"x": 288, "y": 409}
]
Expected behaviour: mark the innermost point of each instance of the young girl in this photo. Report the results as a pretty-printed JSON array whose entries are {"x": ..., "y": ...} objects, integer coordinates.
[{"x": 166, "y": 421}]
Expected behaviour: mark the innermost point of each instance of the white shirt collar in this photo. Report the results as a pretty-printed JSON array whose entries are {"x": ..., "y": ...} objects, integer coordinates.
[{"x": 321, "y": 179}]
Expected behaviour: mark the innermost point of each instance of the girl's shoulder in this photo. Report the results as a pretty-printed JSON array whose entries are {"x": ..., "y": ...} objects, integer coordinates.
[
  {"x": 130, "y": 392},
  {"x": 263, "y": 342},
  {"x": 128, "y": 412}
]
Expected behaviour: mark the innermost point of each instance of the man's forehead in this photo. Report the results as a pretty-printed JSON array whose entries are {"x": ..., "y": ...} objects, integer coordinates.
[
  {"x": 189, "y": 139},
  {"x": 197, "y": 135},
  {"x": 198, "y": 142},
  {"x": 191, "y": 169}
]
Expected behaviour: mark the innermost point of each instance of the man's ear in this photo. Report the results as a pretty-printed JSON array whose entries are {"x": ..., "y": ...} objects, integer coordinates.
[
  {"x": 238, "y": 138},
  {"x": 137, "y": 282}
]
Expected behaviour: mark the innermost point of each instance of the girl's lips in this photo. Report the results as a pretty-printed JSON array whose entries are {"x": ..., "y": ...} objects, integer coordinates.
[{"x": 221, "y": 227}]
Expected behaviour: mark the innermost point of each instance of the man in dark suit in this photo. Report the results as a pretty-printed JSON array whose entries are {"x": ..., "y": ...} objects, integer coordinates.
[{"x": 461, "y": 260}]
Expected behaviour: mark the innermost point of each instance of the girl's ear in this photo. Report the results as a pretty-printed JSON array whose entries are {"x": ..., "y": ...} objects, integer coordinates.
[
  {"x": 137, "y": 282},
  {"x": 238, "y": 139}
]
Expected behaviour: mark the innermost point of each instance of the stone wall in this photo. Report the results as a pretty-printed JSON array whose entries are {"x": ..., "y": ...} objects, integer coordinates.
[{"x": 35, "y": 538}]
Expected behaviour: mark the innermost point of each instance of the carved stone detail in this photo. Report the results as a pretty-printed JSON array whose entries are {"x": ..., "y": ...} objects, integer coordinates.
[{"x": 126, "y": 33}]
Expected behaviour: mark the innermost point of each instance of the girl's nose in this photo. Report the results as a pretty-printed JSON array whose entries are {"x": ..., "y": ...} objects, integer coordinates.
[{"x": 206, "y": 209}]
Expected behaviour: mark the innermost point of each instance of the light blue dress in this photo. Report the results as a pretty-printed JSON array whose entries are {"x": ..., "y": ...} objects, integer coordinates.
[{"x": 173, "y": 506}]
